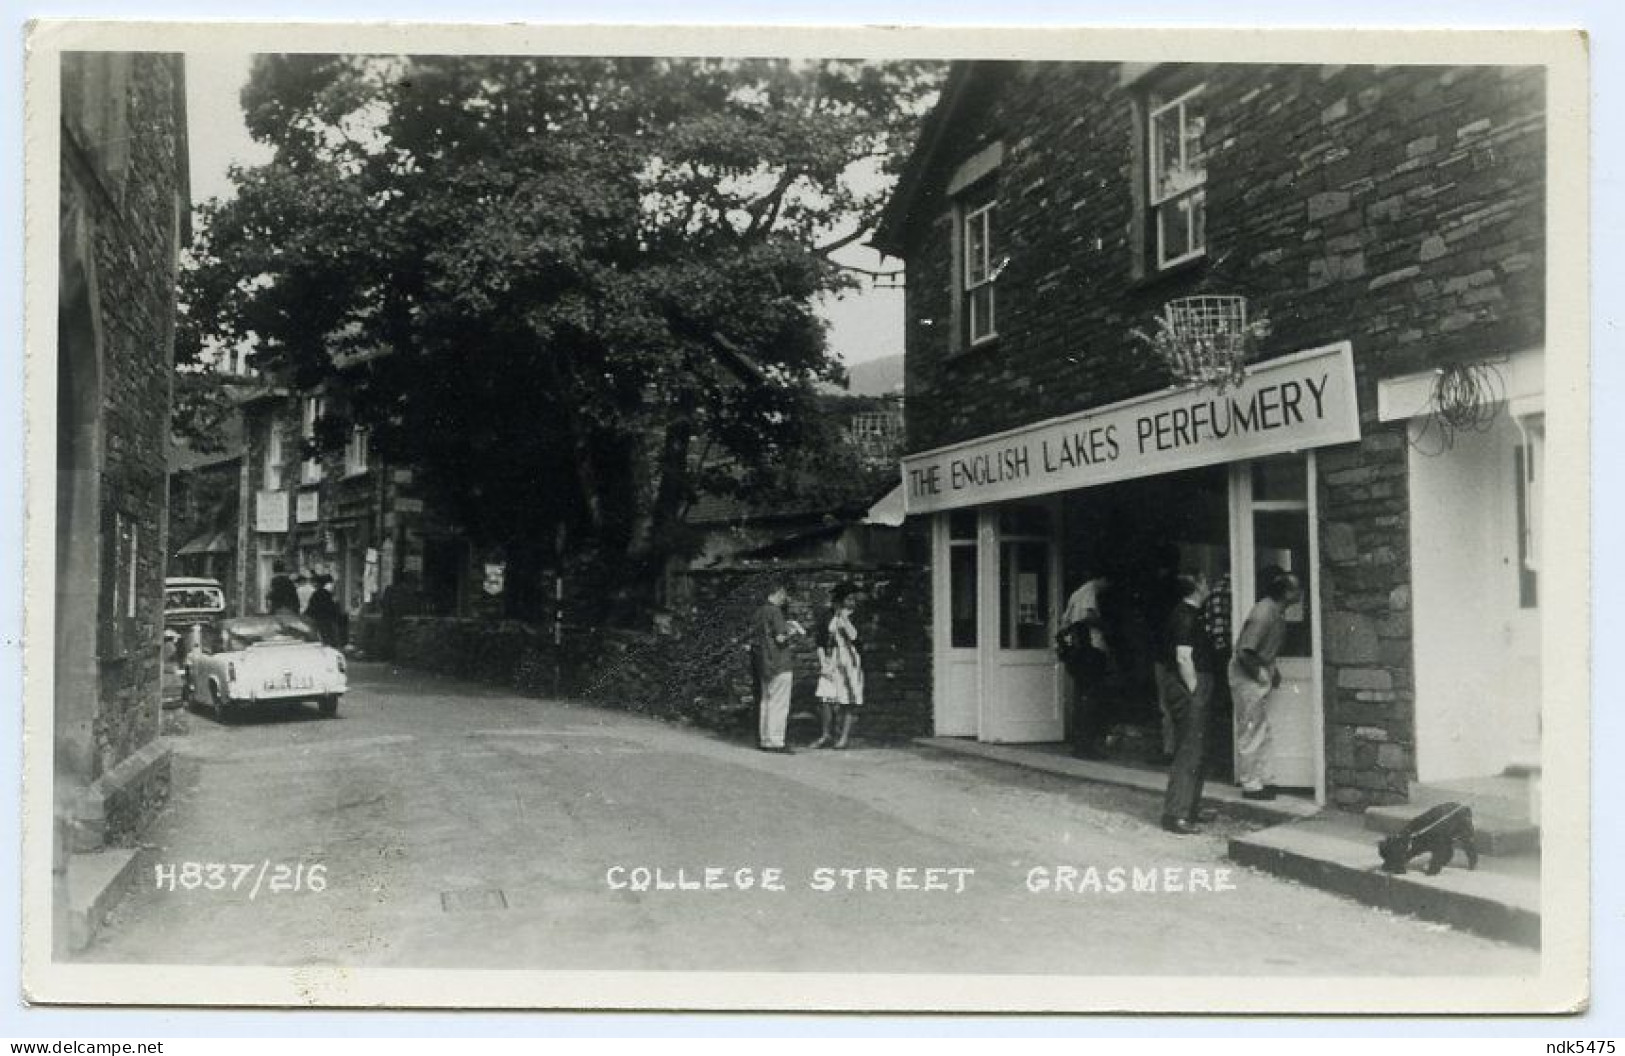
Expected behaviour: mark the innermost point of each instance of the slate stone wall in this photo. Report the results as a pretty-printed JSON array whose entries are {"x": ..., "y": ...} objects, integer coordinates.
[
  {"x": 699, "y": 671},
  {"x": 124, "y": 184}
]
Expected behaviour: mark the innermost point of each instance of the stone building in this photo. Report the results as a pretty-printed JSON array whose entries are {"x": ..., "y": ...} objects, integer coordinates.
[
  {"x": 341, "y": 513},
  {"x": 205, "y": 509},
  {"x": 1385, "y": 445},
  {"x": 123, "y": 218}
]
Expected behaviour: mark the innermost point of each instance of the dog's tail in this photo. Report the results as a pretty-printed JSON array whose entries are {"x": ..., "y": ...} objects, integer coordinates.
[{"x": 1457, "y": 811}]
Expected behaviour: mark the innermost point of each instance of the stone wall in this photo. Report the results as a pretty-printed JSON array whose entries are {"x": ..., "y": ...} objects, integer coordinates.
[
  {"x": 124, "y": 174},
  {"x": 893, "y": 619},
  {"x": 1398, "y": 208},
  {"x": 698, "y": 670}
]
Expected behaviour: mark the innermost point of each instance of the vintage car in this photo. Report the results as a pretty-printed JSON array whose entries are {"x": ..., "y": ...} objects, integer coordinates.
[
  {"x": 191, "y": 604},
  {"x": 248, "y": 660}
]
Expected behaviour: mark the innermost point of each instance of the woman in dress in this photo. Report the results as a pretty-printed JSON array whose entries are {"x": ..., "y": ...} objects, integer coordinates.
[{"x": 840, "y": 671}]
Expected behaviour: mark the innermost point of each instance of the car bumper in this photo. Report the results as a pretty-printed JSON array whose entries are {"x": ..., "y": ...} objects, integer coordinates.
[{"x": 319, "y": 689}]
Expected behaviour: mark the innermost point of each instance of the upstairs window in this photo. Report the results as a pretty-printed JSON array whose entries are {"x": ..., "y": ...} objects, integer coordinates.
[
  {"x": 981, "y": 271},
  {"x": 313, "y": 409},
  {"x": 977, "y": 253},
  {"x": 275, "y": 455},
  {"x": 356, "y": 452},
  {"x": 1177, "y": 176}
]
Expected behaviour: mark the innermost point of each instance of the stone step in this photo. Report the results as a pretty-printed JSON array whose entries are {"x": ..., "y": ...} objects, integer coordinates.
[
  {"x": 1057, "y": 759},
  {"x": 96, "y": 880},
  {"x": 1335, "y": 853}
]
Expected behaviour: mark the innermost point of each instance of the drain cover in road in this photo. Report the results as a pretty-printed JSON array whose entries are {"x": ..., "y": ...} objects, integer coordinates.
[{"x": 473, "y": 899}]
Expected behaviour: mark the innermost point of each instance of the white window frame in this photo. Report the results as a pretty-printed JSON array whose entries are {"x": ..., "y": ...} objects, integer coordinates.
[
  {"x": 311, "y": 411},
  {"x": 1190, "y": 197},
  {"x": 275, "y": 456},
  {"x": 357, "y": 452},
  {"x": 971, "y": 284}
]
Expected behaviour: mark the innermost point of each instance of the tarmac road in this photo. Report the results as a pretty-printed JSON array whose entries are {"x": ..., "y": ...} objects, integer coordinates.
[{"x": 458, "y": 826}]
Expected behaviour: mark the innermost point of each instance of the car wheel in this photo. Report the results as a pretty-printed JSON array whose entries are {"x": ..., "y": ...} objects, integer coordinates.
[
  {"x": 223, "y": 713},
  {"x": 329, "y": 704}
]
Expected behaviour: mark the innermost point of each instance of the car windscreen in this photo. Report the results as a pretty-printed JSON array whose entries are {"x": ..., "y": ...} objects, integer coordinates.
[
  {"x": 260, "y": 630},
  {"x": 192, "y": 599}
]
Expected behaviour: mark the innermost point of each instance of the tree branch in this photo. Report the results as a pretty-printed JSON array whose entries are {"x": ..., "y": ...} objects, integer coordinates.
[
  {"x": 871, "y": 272},
  {"x": 865, "y": 226},
  {"x": 768, "y": 204}
]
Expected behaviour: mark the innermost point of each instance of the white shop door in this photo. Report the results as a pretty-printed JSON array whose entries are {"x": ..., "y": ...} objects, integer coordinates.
[
  {"x": 956, "y": 566},
  {"x": 1273, "y": 510},
  {"x": 1022, "y": 686}
]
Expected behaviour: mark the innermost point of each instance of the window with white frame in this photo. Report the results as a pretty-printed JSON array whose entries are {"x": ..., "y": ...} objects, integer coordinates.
[
  {"x": 275, "y": 455},
  {"x": 356, "y": 452},
  {"x": 312, "y": 410},
  {"x": 1528, "y": 466},
  {"x": 126, "y": 549},
  {"x": 980, "y": 271},
  {"x": 1177, "y": 176}
]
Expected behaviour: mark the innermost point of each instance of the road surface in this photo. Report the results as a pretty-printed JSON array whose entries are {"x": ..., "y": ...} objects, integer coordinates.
[{"x": 459, "y": 826}]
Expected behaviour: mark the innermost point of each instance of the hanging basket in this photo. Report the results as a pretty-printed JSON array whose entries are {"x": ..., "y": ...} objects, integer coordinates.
[{"x": 1206, "y": 339}]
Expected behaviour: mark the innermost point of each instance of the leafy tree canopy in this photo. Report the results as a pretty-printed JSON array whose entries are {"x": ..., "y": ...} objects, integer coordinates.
[{"x": 548, "y": 283}]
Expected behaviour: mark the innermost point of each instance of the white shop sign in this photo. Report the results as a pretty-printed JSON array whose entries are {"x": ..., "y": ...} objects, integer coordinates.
[
  {"x": 1293, "y": 403},
  {"x": 306, "y": 511},
  {"x": 271, "y": 511}
]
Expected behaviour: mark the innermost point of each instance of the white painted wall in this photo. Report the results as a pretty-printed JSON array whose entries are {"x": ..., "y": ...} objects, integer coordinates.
[{"x": 1477, "y": 707}]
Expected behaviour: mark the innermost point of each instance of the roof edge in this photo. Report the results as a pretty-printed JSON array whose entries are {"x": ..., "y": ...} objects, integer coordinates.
[{"x": 888, "y": 234}]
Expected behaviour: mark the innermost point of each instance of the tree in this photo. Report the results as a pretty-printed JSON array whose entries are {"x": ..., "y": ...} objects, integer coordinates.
[{"x": 582, "y": 270}]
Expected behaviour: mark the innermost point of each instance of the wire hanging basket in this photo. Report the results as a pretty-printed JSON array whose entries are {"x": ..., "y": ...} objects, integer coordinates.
[{"x": 1205, "y": 339}]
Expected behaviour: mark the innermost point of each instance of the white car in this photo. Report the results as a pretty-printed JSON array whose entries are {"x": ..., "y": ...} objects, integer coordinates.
[
  {"x": 191, "y": 603},
  {"x": 265, "y": 659}
]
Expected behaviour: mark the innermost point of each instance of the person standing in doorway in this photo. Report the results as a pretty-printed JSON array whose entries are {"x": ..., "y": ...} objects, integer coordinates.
[
  {"x": 840, "y": 671},
  {"x": 304, "y": 585},
  {"x": 1253, "y": 676},
  {"x": 774, "y": 664},
  {"x": 1184, "y": 673},
  {"x": 1216, "y": 618},
  {"x": 1083, "y": 649},
  {"x": 282, "y": 599},
  {"x": 322, "y": 611}
]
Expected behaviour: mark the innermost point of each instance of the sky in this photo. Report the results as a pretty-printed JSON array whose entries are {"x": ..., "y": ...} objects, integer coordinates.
[{"x": 865, "y": 324}]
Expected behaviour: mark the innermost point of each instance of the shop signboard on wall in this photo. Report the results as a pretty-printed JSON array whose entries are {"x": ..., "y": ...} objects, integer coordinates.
[
  {"x": 306, "y": 509},
  {"x": 1294, "y": 403},
  {"x": 271, "y": 511}
]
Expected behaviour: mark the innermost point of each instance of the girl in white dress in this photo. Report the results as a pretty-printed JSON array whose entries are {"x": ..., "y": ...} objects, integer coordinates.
[{"x": 840, "y": 672}]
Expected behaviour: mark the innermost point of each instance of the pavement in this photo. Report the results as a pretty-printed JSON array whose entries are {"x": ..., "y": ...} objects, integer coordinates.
[
  {"x": 460, "y": 826},
  {"x": 1335, "y": 851}
]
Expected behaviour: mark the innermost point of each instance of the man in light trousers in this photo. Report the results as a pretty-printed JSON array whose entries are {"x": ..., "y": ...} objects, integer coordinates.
[
  {"x": 774, "y": 663},
  {"x": 1253, "y": 676}
]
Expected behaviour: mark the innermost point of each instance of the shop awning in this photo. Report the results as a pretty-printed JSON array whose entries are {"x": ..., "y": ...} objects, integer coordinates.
[
  {"x": 889, "y": 511},
  {"x": 208, "y": 543}
]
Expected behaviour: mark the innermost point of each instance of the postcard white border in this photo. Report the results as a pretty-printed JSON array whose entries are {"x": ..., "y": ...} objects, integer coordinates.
[{"x": 1562, "y": 984}]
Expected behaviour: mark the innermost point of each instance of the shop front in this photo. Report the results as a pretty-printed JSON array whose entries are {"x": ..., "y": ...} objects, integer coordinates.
[{"x": 1179, "y": 482}]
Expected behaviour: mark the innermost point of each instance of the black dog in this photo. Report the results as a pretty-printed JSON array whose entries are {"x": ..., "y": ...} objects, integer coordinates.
[{"x": 1435, "y": 832}]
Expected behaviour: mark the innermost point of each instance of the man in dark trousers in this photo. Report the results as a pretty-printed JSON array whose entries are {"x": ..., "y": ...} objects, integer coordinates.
[
  {"x": 323, "y": 611},
  {"x": 1083, "y": 649},
  {"x": 1184, "y": 672},
  {"x": 774, "y": 663}
]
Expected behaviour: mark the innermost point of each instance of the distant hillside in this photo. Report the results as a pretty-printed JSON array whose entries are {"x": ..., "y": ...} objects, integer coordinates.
[{"x": 876, "y": 377}]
